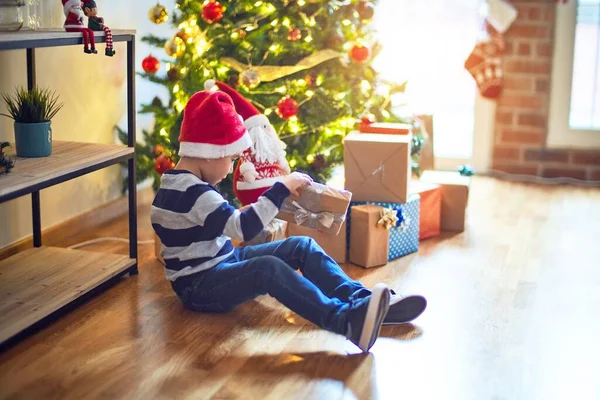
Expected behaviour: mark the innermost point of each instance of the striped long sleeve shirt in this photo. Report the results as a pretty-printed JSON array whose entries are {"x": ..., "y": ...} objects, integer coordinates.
[{"x": 195, "y": 223}]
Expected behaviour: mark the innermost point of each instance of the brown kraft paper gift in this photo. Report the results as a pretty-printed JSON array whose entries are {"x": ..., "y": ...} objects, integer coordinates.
[
  {"x": 377, "y": 167},
  {"x": 318, "y": 207},
  {"x": 274, "y": 231},
  {"x": 369, "y": 243},
  {"x": 455, "y": 195},
  {"x": 333, "y": 245}
]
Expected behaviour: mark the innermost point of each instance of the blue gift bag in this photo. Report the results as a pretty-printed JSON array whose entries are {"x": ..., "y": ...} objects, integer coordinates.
[{"x": 404, "y": 237}]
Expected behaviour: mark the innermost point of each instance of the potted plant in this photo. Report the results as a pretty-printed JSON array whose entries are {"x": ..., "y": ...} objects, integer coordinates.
[{"x": 32, "y": 110}]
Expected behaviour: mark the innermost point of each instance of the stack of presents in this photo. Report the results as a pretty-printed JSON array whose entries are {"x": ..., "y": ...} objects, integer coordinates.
[{"x": 383, "y": 212}]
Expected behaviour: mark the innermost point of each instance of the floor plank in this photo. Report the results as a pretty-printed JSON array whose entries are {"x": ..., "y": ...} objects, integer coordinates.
[{"x": 513, "y": 314}]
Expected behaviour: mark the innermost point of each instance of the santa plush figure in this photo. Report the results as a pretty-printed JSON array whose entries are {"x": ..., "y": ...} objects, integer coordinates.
[{"x": 264, "y": 163}]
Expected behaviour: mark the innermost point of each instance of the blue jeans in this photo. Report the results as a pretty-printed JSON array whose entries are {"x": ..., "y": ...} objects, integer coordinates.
[{"x": 323, "y": 294}]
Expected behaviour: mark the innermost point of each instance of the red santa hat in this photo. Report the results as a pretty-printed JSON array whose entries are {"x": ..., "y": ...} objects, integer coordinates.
[
  {"x": 67, "y": 4},
  {"x": 211, "y": 127},
  {"x": 266, "y": 146},
  {"x": 252, "y": 117}
]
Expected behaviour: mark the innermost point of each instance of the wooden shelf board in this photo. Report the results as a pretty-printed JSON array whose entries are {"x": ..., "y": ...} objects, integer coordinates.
[
  {"x": 38, "y": 281},
  {"x": 55, "y": 37},
  {"x": 68, "y": 160}
]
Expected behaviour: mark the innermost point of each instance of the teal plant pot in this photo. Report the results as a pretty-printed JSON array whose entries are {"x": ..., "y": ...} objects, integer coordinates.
[{"x": 33, "y": 140}]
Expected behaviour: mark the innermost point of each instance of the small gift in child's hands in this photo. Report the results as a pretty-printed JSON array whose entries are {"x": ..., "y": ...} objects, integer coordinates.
[
  {"x": 318, "y": 207},
  {"x": 274, "y": 231}
]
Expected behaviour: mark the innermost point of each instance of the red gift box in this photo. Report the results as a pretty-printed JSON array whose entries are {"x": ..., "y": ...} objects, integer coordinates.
[
  {"x": 430, "y": 218},
  {"x": 385, "y": 127}
]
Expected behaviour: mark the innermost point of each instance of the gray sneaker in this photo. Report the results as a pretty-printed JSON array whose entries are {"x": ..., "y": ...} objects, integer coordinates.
[
  {"x": 404, "y": 309},
  {"x": 364, "y": 321}
]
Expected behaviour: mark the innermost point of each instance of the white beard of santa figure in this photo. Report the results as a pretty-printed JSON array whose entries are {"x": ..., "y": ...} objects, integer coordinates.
[{"x": 264, "y": 163}]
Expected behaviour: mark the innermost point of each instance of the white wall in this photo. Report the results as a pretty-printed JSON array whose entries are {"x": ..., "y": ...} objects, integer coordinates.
[{"x": 93, "y": 88}]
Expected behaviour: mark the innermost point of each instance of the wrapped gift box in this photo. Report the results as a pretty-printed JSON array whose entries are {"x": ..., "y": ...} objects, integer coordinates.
[
  {"x": 377, "y": 166},
  {"x": 404, "y": 237},
  {"x": 274, "y": 231},
  {"x": 386, "y": 128},
  {"x": 333, "y": 245},
  {"x": 318, "y": 207},
  {"x": 431, "y": 207},
  {"x": 455, "y": 195},
  {"x": 369, "y": 239}
]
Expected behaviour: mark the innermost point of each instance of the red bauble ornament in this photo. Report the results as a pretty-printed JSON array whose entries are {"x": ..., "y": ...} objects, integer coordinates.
[
  {"x": 150, "y": 65},
  {"x": 163, "y": 163},
  {"x": 294, "y": 34},
  {"x": 287, "y": 108},
  {"x": 359, "y": 53},
  {"x": 212, "y": 11}
]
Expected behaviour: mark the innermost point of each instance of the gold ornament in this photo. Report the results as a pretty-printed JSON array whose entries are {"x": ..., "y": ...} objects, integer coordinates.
[
  {"x": 175, "y": 47},
  {"x": 271, "y": 73},
  {"x": 158, "y": 14},
  {"x": 389, "y": 218},
  {"x": 250, "y": 78}
]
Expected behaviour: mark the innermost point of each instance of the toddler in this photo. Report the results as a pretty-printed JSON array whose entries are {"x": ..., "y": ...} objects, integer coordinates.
[{"x": 195, "y": 223}]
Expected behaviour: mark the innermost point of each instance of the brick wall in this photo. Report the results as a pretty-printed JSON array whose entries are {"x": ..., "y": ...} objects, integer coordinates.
[{"x": 522, "y": 112}]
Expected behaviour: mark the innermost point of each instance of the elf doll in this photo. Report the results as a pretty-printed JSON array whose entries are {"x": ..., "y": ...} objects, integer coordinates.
[
  {"x": 96, "y": 23},
  {"x": 264, "y": 163},
  {"x": 74, "y": 23}
]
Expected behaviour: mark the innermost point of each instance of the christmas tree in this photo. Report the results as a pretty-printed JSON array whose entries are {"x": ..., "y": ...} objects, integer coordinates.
[{"x": 306, "y": 64}]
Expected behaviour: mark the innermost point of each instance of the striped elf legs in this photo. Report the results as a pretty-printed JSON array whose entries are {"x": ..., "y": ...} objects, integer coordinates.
[{"x": 109, "y": 41}]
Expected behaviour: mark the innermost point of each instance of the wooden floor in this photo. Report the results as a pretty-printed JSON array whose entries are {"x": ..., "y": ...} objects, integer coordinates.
[{"x": 514, "y": 313}]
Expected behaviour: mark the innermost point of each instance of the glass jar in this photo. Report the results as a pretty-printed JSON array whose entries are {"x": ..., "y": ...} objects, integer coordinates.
[
  {"x": 44, "y": 14},
  {"x": 11, "y": 15}
]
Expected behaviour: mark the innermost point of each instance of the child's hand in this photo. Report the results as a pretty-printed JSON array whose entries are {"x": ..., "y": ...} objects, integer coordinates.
[{"x": 295, "y": 181}]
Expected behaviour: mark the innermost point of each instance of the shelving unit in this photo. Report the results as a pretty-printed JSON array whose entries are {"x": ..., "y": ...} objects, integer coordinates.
[{"x": 40, "y": 281}]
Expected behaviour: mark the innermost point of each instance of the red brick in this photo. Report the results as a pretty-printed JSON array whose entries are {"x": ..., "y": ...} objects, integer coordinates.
[
  {"x": 527, "y": 66},
  {"x": 594, "y": 175},
  {"x": 549, "y": 14},
  {"x": 558, "y": 156},
  {"x": 551, "y": 172},
  {"x": 508, "y": 48},
  {"x": 525, "y": 30},
  {"x": 507, "y": 153},
  {"x": 544, "y": 49},
  {"x": 535, "y": 14},
  {"x": 521, "y": 101},
  {"x": 586, "y": 157},
  {"x": 532, "y": 120},
  {"x": 542, "y": 86},
  {"x": 516, "y": 169},
  {"x": 518, "y": 83},
  {"x": 524, "y": 49},
  {"x": 504, "y": 117},
  {"x": 516, "y": 136}
]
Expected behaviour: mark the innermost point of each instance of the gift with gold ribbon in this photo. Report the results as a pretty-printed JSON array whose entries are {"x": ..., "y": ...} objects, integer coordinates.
[
  {"x": 318, "y": 207},
  {"x": 400, "y": 221},
  {"x": 370, "y": 235}
]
